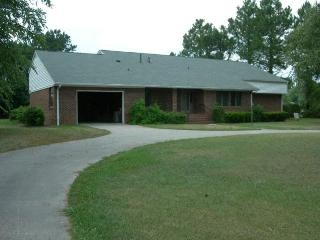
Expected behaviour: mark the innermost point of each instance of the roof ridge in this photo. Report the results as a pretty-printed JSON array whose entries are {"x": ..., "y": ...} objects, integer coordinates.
[
  {"x": 61, "y": 52},
  {"x": 181, "y": 57}
]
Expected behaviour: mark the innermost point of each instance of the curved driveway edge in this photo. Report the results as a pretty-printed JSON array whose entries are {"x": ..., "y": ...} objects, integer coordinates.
[{"x": 34, "y": 182}]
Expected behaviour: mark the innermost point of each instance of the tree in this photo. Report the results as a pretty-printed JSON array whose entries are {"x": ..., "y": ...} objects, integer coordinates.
[
  {"x": 260, "y": 32},
  {"x": 274, "y": 24},
  {"x": 54, "y": 40},
  {"x": 304, "y": 55},
  {"x": 244, "y": 29},
  {"x": 206, "y": 41},
  {"x": 20, "y": 22}
]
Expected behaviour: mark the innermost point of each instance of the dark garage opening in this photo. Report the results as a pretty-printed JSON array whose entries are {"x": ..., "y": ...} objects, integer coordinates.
[{"x": 100, "y": 107}]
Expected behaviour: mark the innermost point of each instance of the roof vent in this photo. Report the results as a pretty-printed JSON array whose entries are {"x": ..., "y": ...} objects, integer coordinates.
[
  {"x": 140, "y": 58},
  {"x": 149, "y": 59},
  {"x": 118, "y": 61}
]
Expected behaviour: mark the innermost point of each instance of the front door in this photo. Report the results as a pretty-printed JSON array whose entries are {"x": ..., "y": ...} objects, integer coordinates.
[{"x": 186, "y": 101}]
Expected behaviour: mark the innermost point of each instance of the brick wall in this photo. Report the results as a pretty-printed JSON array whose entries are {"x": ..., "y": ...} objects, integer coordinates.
[
  {"x": 68, "y": 101},
  {"x": 131, "y": 95},
  {"x": 41, "y": 99},
  {"x": 270, "y": 102},
  {"x": 68, "y": 105}
]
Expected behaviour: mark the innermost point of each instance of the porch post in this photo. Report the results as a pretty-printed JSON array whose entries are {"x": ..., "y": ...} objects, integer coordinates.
[
  {"x": 251, "y": 106},
  {"x": 174, "y": 100}
]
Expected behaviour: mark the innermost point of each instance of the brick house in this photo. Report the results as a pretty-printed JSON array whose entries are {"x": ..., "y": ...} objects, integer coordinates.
[{"x": 78, "y": 87}]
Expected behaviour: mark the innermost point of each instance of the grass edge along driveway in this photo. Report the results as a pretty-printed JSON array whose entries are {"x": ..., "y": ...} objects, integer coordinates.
[
  {"x": 239, "y": 187},
  {"x": 290, "y": 124},
  {"x": 15, "y": 136}
]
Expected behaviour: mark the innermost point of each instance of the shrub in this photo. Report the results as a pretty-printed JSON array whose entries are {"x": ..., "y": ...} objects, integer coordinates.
[
  {"x": 137, "y": 112},
  {"x": 275, "y": 116},
  {"x": 18, "y": 114},
  {"x": 33, "y": 116},
  {"x": 140, "y": 114},
  {"x": 292, "y": 108},
  {"x": 154, "y": 115},
  {"x": 240, "y": 117},
  {"x": 257, "y": 113},
  {"x": 237, "y": 117},
  {"x": 218, "y": 114},
  {"x": 175, "y": 117}
]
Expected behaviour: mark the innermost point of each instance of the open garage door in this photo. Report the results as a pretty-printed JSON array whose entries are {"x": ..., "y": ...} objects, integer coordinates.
[{"x": 100, "y": 107}]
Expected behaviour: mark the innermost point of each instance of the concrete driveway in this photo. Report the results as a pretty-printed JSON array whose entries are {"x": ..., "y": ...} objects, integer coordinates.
[{"x": 34, "y": 182}]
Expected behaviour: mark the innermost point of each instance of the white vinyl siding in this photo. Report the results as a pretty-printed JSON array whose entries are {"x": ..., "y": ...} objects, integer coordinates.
[
  {"x": 39, "y": 78},
  {"x": 270, "y": 87}
]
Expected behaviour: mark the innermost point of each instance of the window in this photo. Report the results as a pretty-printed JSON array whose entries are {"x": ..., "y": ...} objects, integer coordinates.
[
  {"x": 229, "y": 98},
  {"x": 235, "y": 98},
  {"x": 51, "y": 97},
  {"x": 223, "y": 98}
]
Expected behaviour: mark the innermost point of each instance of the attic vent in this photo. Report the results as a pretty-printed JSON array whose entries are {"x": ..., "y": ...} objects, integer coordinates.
[{"x": 118, "y": 61}]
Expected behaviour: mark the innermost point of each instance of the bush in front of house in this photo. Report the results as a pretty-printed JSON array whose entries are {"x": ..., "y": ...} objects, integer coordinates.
[
  {"x": 30, "y": 116},
  {"x": 237, "y": 117},
  {"x": 33, "y": 116},
  {"x": 140, "y": 114},
  {"x": 218, "y": 114},
  {"x": 17, "y": 114},
  {"x": 275, "y": 116},
  {"x": 137, "y": 112},
  {"x": 175, "y": 117},
  {"x": 292, "y": 108},
  {"x": 258, "y": 112},
  {"x": 153, "y": 114}
]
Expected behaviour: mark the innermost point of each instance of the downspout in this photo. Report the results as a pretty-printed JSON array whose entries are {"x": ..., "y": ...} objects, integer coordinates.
[{"x": 58, "y": 105}]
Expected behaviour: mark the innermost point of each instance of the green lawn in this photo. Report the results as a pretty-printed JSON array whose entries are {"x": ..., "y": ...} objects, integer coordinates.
[
  {"x": 241, "y": 187},
  {"x": 291, "y": 124},
  {"x": 15, "y": 136}
]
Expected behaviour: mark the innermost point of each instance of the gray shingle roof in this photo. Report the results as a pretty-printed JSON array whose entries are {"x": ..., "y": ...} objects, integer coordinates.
[{"x": 114, "y": 68}]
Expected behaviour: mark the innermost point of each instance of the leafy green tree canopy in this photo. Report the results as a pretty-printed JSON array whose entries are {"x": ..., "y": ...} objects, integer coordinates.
[
  {"x": 20, "y": 22},
  {"x": 55, "y": 40},
  {"x": 275, "y": 24},
  {"x": 260, "y": 31},
  {"x": 304, "y": 42},
  {"x": 206, "y": 41},
  {"x": 244, "y": 29},
  {"x": 303, "y": 51}
]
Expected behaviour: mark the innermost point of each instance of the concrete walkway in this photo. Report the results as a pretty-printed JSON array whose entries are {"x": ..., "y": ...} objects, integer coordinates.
[{"x": 34, "y": 182}]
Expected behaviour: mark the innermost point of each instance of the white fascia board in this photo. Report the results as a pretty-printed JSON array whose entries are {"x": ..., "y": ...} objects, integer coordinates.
[{"x": 39, "y": 77}]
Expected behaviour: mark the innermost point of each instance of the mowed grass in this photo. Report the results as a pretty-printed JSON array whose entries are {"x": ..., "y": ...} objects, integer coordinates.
[
  {"x": 290, "y": 124},
  {"x": 240, "y": 187},
  {"x": 15, "y": 136}
]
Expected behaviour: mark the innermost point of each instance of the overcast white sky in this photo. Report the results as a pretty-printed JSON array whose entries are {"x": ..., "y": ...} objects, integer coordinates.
[{"x": 138, "y": 25}]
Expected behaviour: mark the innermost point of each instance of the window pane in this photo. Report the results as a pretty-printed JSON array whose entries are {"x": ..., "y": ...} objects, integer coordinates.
[
  {"x": 223, "y": 98},
  {"x": 238, "y": 99},
  {"x": 235, "y": 99}
]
